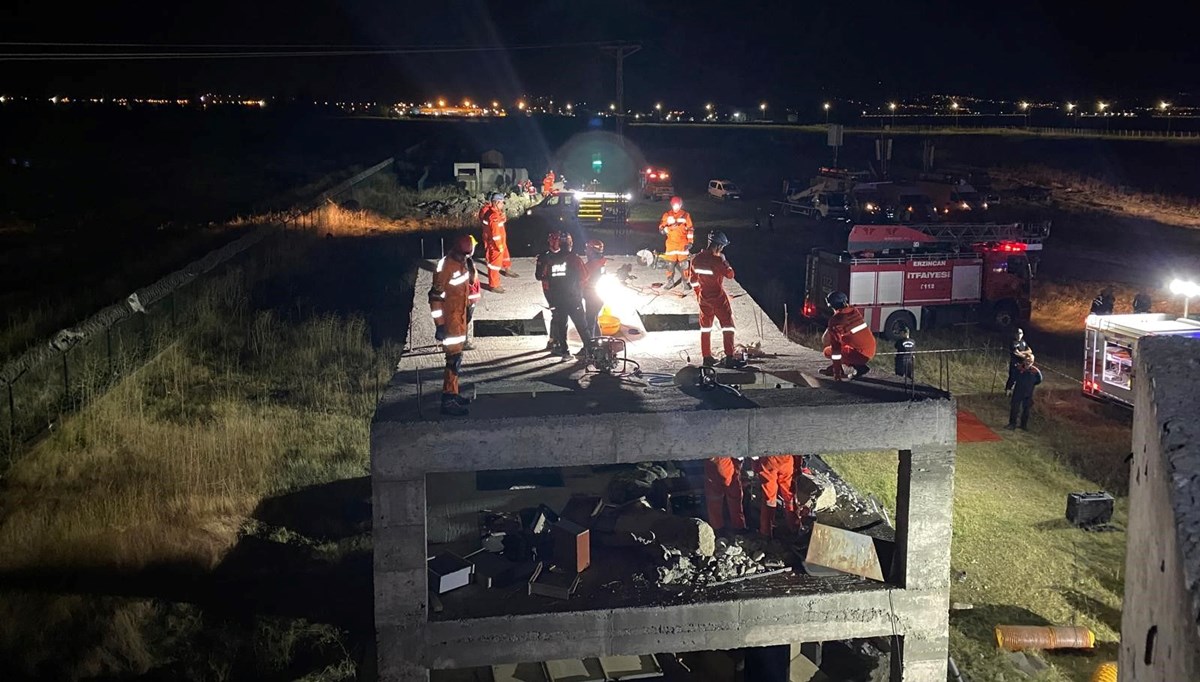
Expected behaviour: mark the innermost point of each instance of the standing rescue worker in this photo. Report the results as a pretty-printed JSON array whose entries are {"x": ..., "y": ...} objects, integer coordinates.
[
  {"x": 723, "y": 489},
  {"x": 475, "y": 293},
  {"x": 495, "y": 242},
  {"x": 449, "y": 301},
  {"x": 1017, "y": 350},
  {"x": 1104, "y": 302},
  {"x": 1028, "y": 376},
  {"x": 548, "y": 183},
  {"x": 592, "y": 303},
  {"x": 676, "y": 226},
  {"x": 775, "y": 476},
  {"x": 848, "y": 340},
  {"x": 905, "y": 354},
  {"x": 1142, "y": 302},
  {"x": 707, "y": 277},
  {"x": 563, "y": 276}
]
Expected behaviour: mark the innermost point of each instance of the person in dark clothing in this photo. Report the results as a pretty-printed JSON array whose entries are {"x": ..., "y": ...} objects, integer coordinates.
[
  {"x": 1104, "y": 302},
  {"x": 1016, "y": 355},
  {"x": 1028, "y": 377},
  {"x": 905, "y": 348},
  {"x": 592, "y": 303},
  {"x": 563, "y": 276},
  {"x": 1141, "y": 302}
]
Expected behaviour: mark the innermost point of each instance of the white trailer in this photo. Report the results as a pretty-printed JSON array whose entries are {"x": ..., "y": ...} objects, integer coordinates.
[{"x": 1110, "y": 344}]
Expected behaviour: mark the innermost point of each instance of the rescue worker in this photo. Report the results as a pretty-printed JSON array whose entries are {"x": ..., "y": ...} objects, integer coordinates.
[
  {"x": 1028, "y": 377},
  {"x": 723, "y": 490},
  {"x": 495, "y": 242},
  {"x": 563, "y": 276},
  {"x": 676, "y": 226},
  {"x": 1141, "y": 302},
  {"x": 592, "y": 303},
  {"x": 775, "y": 476},
  {"x": 548, "y": 184},
  {"x": 1017, "y": 350},
  {"x": 707, "y": 276},
  {"x": 848, "y": 340},
  {"x": 1104, "y": 302},
  {"x": 449, "y": 300},
  {"x": 475, "y": 293},
  {"x": 905, "y": 354}
]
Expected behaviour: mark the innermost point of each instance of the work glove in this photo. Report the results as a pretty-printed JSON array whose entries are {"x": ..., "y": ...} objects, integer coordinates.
[{"x": 440, "y": 332}]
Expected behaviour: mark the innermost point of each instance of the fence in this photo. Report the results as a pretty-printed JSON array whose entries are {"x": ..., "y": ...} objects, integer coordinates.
[{"x": 62, "y": 374}]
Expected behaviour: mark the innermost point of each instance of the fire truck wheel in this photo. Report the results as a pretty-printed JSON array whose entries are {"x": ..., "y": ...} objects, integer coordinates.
[
  {"x": 896, "y": 321},
  {"x": 1004, "y": 315}
]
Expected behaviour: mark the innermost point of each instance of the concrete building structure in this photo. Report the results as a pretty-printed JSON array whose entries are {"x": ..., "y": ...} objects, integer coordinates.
[
  {"x": 533, "y": 411},
  {"x": 1160, "y": 616}
]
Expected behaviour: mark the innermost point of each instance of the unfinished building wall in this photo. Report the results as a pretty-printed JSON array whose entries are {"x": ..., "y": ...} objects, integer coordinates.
[{"x": 1160, "y": 621}]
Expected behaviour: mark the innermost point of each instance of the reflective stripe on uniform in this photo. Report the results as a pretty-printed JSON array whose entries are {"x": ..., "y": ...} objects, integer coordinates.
[
  {"x": 859, "y": 328},
  {"x": 728, "y": 329},
  {"x": 474, "y": 297},
  {"x": 436, "y": 314},
  {"x": 451, "y": 340},
  {"x": 494, "y": 267},
  {"x": 441, "y": 264},
  {"x": 676, "y": 253},
  {"x": 700, "y": 271},
  {"x": 558, "y": 270},
  {"x": 496, "y": 238},
  {"x": 459, "y": 278},
  {"x": 835, "y": 356}
]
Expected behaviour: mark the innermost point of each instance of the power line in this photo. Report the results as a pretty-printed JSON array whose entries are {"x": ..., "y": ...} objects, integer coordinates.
[{"x": 272, "y": 53}]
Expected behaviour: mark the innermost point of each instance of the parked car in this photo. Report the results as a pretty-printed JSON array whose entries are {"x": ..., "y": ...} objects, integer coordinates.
[{"x": 724, "y": 189}]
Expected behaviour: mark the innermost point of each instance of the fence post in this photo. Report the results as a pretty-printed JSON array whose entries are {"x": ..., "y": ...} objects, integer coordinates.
[
  {"x": 66, "y": 379},
  {"x": 108, "y": 343},
  {"x": 171, "y": 302}
]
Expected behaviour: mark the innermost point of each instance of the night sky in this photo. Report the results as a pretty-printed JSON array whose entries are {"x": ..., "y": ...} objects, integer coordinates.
[{"x": 693, "y": 51}]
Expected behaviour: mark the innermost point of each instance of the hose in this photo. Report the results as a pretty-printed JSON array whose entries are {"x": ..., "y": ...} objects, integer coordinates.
[
  {"x": 1019, "y": 637},
  {"x": 1105, "y": 672}
]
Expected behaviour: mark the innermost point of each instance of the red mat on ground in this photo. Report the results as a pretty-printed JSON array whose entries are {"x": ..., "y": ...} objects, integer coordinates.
[{"x": 971, "y": 430}]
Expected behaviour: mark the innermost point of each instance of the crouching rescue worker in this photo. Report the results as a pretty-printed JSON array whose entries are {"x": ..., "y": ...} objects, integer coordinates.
[
  {"x": 707, "y": 276},
  {"x": 449, "y": 300},
  {"x": 676, "y": 226},
  {"x": 848, "y": 340},
  {"x": 591, "y": 299},
  {"x": 563, "y": 276},
  {"x": 775, "y": 476},
  {"x": 723, "y": 489}
]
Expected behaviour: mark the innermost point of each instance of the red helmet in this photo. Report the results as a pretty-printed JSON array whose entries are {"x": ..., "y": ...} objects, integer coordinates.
[
  {"x": 676, "y": 201},
  {"x": 464, "y": 243},
  {"x": 595, "y": 245}
]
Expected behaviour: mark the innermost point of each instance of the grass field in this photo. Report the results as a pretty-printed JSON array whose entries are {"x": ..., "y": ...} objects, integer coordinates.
[{"x": 159, "y": 529}]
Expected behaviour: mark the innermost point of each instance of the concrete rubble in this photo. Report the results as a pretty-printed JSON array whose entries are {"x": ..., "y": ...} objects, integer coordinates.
[{"x": 741, "y": 556}]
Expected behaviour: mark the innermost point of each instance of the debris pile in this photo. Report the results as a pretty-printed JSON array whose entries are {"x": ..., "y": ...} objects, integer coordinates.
[{"x": 740, "y": 557}]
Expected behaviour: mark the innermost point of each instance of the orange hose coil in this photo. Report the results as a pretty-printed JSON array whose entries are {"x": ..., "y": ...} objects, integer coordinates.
[
  {"x": 1018, "y": 637},
  {"x": 1105, "y": 672}
]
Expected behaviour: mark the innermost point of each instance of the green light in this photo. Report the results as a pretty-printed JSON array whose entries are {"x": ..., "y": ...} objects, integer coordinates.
[{"x": 597, "y": 163}]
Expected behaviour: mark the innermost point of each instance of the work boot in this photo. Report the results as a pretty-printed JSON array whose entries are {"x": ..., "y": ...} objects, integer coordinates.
[
  {"x": 452, "y": 408},
  {"x": 1011, "y": 427},
  {"x": 860, "y": 371},
  {"x": 461, "y": 399},
  {"x": 672, "y": 284},
  {"x": 710, "y": 361},
  {"x": 467, "y": 345},
  {"x": 509, "y": 273},
  {"x": 731, "y": 362},
  {"x": 497, "y": 289},
  {"x": 583, "y": 354}
]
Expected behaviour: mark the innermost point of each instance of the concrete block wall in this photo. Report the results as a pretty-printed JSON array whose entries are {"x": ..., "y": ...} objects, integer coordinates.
[{"x": 1160, "y": 620}]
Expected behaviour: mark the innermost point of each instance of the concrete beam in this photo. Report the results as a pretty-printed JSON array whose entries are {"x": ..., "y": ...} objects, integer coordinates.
[{"x": 400, "y": 449}]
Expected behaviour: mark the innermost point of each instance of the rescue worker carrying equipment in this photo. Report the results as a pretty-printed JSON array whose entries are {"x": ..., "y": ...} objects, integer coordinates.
[
  {"x": 563, "y": 276},
  {"x": 707, "y": 276},
  {"x": 676, "y": 226},
  {"x": 495, "y": 242},
  {"x": 449, "y": 300},
  {"x": 1028, "y": 377},
  {"x": 848, "y": 339},
  {"x": 548, "y": 184},
  {"x": 723, "y": 489},
  {"x": 595, "y": 270},
  {"x": 1017, "y": 350},
  {"x": 775, "y": 476}
]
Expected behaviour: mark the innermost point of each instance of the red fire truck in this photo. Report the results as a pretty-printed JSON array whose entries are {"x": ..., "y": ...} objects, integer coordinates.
[
  {"x": 656, "y": 184},
  {"x": 922, "y": 276}
]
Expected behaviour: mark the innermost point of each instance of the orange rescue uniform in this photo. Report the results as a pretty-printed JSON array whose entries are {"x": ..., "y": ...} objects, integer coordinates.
[
  {"x": 676, "y": 226},
  {"x": 449, "y": 300},
  {"x": 495, "y": 243},
  {"x": 722, "y": 488},
  {"x": 708, "y": 274},
  {"x": 548, "y": 184},
  {"x": 848, "y": 339},
  {"x": 775, "y": 475}
]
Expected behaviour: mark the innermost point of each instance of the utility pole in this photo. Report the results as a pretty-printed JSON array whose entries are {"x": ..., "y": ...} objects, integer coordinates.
[{"x": 621, "y": 50}]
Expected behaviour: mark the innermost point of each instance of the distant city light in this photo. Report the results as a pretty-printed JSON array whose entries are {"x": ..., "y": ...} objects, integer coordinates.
[
  {"x": 954, "y": 106},
  {"x": 826, "y": 106},
  {"x": 1101, "y": 106},
  {"x": 762, "y": 107},
  {"x": 612, "y": 107},
  {"x": 521, "y": 105},
  {"x": 1162, "y": 106},
  {"x": 658, "y": 107},
  {"x": 1024, "y": 106},
  {"x": 568, "y": 106},
  {"x": 441, "y": 102},
  {"x": 708, "y": 107},
  {"x": 892, "y": 106}
]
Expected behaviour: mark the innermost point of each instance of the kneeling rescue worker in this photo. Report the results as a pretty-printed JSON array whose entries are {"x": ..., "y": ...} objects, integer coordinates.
[
  {"x": 709, "y": 271},
  {"x": 723, "y": 488},
  {"x": 449, "y": 300},
  {"x": 848, "y": 339}
]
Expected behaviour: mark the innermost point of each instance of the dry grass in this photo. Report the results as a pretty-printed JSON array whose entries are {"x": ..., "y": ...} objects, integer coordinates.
[
  {"x": 166, "y": 469},
  {"x": 1062, "y": 307},
  {"x": 1095, "y": 193}
]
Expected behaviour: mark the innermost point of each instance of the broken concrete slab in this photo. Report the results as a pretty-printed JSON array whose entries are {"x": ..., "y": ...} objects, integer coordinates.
[{"x": 684, "y": 533}]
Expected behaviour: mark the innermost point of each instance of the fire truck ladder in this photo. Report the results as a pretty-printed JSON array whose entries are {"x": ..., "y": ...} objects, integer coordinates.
[{"x": 974, "y": 233}]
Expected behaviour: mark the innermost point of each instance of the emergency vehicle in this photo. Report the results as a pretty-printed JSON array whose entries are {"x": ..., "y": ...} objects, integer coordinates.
[
  {"x": 656, "y": 184},
  {"x": 922, "y": 276},
  {"x": 1110, "y": 345}
]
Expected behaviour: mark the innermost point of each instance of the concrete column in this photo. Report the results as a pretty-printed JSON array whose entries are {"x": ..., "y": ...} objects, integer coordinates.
[
  {"x": 401, "y": 582},
  {"x": 924, "y": 515}
]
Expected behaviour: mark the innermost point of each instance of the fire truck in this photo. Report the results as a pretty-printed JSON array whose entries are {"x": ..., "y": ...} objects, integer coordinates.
[
  {"x": 1110, "y": 347},
  {"x": 923, "y": 276},
  {"x": 656, "y": 184}
]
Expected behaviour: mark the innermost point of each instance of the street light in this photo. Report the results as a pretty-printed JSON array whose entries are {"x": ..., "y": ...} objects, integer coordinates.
[
  {"x": 521, "y": 105},
  {"x": 1025, "y": 109},
  {"x": 826, "y": 107},
  {"x": 892, "y": 108},
  {"x": 954, "y": 108},
  {"x": 1163, "y": 106},
  {"x": 1187, "y": 290},
  {"x": 763, "y": 111},
  {"x": 1100, "y": 107}
]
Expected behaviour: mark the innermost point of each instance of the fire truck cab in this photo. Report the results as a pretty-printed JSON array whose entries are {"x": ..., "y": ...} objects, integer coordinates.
[
  {"x": 922, "y": 276},
  {"x": 656, "y": 184},
  {"x": 1110, "y": 347}
]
